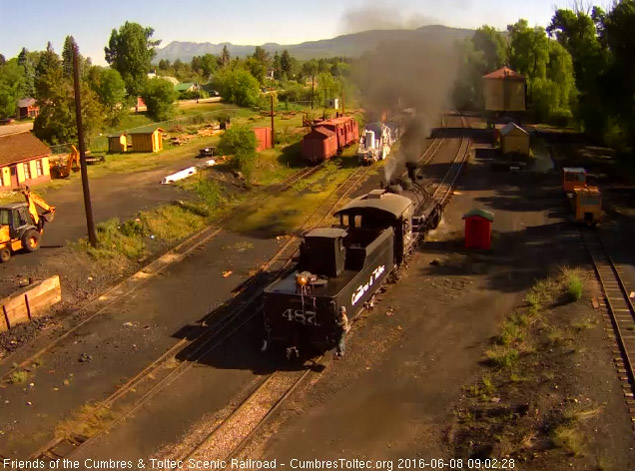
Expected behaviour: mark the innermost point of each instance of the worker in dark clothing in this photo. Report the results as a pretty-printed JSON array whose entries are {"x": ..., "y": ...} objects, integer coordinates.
[{"x": 343, "y": 326}]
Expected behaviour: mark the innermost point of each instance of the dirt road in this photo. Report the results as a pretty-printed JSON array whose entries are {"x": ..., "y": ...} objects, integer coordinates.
[{"x": 16, "y": 128}]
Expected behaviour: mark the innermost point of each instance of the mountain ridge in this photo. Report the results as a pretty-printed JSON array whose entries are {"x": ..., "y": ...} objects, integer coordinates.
[{"x": 349, "y": 45}]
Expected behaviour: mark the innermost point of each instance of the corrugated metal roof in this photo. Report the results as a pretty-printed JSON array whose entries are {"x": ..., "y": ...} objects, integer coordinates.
[
  {"x": 382, "y": 201},
  {"x": 481, "y": 213},
  {"x": 26, "y": 102},
  {"x": 20, "y": 147},
  {"x": 145, "y": 131},
  {"x": 504, "y": 73}
]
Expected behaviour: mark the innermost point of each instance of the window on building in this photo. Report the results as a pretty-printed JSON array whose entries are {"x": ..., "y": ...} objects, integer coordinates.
[
  {"x": 27, "y": 171},
  {"x": 39, "y": 170}
]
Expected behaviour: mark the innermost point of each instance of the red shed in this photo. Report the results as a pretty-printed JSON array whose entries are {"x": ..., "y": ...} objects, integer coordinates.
[
  {"x": 478, "y": 229},
  {"x": 263, "y": 136},
  {"x": 320, "y": 144}
]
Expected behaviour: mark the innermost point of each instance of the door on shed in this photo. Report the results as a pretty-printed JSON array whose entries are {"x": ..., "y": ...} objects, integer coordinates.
[{"x": 14, "y": 176}]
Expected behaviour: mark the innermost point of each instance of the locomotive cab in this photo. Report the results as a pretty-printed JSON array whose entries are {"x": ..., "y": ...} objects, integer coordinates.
[{"x": 379, "y": 210}]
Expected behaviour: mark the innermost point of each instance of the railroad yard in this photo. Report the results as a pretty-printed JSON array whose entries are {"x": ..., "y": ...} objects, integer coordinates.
[{"x": 261, "y": 261}]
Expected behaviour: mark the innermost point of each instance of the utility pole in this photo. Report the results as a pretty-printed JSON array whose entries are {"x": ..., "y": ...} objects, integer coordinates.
[
  {"x": 273, "y": 129},
  {"x": 312, "y": 89},
  {"x": 92, "y": 237},
  {"x": 343, "y": 101}
]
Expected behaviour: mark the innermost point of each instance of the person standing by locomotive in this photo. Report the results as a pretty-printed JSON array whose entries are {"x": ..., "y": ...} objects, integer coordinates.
[{"x": 342, "y": 328}]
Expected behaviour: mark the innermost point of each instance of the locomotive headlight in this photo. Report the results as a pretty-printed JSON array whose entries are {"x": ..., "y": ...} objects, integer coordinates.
[{"x": 301, "y": 280}]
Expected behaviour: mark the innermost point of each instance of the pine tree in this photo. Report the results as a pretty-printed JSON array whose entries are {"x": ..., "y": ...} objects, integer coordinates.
[{"x": 67, "y": 56}]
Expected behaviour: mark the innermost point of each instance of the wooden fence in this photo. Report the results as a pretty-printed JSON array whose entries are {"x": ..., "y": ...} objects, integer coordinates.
[{"x": 33, "y": 301}]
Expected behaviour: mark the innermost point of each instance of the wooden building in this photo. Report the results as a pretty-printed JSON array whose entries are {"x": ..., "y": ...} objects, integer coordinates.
[
  {"x": 147, "y": 141},
  {"x": 263, "y": 138},
  {"x": 27, "y": 108},
  {"x": 117, "y": 143},
  {"x": 24, "y": 160},
  {"x": 504, "y": 90},
  {"x": 514, "y": 139}
]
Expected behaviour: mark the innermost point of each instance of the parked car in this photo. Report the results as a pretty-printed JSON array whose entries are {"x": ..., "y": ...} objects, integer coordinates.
[
  {"x": 7, "y": 120},
  {"x": 207, "y": 152}
]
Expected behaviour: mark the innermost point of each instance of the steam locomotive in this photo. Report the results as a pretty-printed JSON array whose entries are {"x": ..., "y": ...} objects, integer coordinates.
[{"x": 344, "y": 265}]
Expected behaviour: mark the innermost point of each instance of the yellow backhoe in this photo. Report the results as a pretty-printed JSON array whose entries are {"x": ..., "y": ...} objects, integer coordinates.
[
  {"x": 62, "y": 169},
  {"x": 21, "y": 225}
]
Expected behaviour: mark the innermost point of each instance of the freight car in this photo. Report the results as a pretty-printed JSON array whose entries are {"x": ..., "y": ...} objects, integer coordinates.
[
  {"x": 344, "y": 265},
  {"x": 329, "y": 137}
]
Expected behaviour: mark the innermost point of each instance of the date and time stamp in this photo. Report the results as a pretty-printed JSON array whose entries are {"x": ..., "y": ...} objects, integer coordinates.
[{"x": 261, "y": 465}]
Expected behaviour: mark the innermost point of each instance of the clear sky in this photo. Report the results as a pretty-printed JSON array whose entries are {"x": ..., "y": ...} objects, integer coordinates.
[{"x": 31, "y": 23}]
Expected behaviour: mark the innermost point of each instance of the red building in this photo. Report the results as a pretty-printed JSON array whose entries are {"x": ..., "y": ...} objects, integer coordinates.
[
  {"x": 263, "y": 136},
  {"x": 27, "y": 108},
  {"x": 478, "y": 229}
]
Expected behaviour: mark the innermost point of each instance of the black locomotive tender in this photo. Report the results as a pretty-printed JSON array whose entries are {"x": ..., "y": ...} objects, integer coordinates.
[{"x": 344, "y": 265}]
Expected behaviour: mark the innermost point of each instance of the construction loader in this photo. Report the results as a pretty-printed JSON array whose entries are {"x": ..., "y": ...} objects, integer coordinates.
[
  {"x": 21, "y": 225},
  {"x": 62, "y": 169}
]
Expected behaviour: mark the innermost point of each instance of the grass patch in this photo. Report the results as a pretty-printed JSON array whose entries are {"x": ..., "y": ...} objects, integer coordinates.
[
  {"x": 502, "y": 356},
  {"x": 574, "y": 288},
  {"x": 286, "y": 212},
  {"x": 568, "y": 438},
  {"x": 88, "y": 421},
  {"x": 171, "y": 222},
  {"x": 113, "y": 240},
  {"x": 511, "y": 333},
  {"x": 18, "y": 377}
]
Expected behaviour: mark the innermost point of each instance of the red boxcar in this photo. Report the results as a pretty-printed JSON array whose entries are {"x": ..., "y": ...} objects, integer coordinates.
[
  {"x": 320, "y": 144},
  {"x": 343, "y": 130}
]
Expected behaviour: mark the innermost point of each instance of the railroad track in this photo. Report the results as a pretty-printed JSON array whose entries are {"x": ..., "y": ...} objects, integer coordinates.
[
  {"x": 443, "y": 191},
  {"x": 231, "y": 435},
  {"x": 620, "y": 310},
  {"x": 227, "y": 439},
  {"x": 155, "y": 377},
  {"x": 271, "y": 392},
  {"x": 126, "y": 287}
]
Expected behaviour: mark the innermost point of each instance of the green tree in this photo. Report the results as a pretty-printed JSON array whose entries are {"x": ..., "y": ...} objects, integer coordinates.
[
  {"x": 56, "y": 122},
  {"x": 159, "y": 96},
  {"x": 47, "y": 74},
  {"x": 25, "y": 61},
  {"x": 11, "y": 86},
  {"x": 262, "y": 56},
  {"x": 327, "y": 87},
  {"x": 285, "y": 64},
  {"x": 67, "y": 56},
  {"x": 237, "y": 86},
  {"x": 548, "y": 68},
  {"x": 240, "y": 141},
  {"x": 619, "y": 25},
  {"x": 110, "y": 90},
  {"x": 164, "y": 64},
  {"x": 276, "y": 66},
  {"x": 130, "y": 52},
  {"x": 225, "y": 58},
  {"x": 208, "y": 64},
  {"x": 493, "y": 47},
  {"x": 529, "y": 49}
]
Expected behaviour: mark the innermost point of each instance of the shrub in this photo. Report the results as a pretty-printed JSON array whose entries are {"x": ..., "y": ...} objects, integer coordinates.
[
  {"x": 574, "y": 288},
  {"x": 240, "y": 141},
  {"x": 159, "y": 97}
]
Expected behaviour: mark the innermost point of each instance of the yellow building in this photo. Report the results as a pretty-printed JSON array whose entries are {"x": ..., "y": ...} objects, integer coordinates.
[
  {"x": 147, "y": 141},
  {"x": 24, "y": 160},
  {"x": 504, "y": 90},
  {"x": 117, "y": 143},
  {"x": 514, "y": 139}
]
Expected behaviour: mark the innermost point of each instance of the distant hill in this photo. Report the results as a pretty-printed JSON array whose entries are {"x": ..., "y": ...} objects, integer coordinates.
[{"x": 349, "y": 45}]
